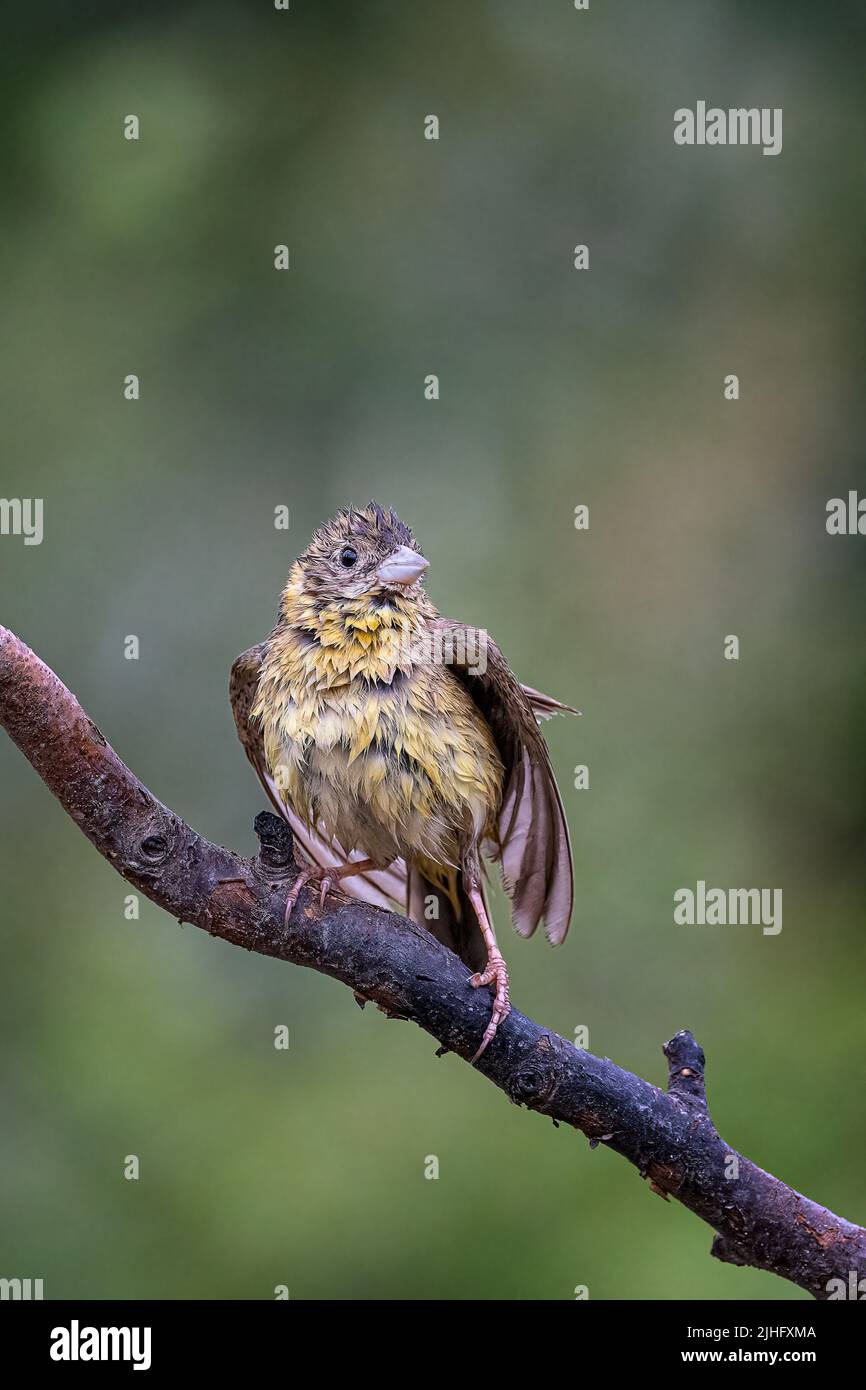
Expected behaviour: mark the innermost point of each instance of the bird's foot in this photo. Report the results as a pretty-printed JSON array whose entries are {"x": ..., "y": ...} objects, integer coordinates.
[
  {"x": 495, "y": 973},
  {"x": 325, "y": 878}
]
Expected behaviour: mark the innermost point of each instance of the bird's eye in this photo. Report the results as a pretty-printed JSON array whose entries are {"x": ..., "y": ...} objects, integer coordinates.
[{"x": 348, "y": 556}]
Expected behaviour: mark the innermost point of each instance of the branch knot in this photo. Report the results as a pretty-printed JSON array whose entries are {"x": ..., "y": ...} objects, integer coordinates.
[
  {"x": 686, "y": 1064},
  {"x": 533, "y": 1081},
  {"x": 276, "y": 849}
]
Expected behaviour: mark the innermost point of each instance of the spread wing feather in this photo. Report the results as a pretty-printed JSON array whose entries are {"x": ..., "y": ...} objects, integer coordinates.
[{"x": 534, "y": 851}]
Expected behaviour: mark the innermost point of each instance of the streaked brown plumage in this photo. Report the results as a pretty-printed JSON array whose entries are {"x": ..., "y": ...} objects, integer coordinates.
[{"x": 400, "y": 759}]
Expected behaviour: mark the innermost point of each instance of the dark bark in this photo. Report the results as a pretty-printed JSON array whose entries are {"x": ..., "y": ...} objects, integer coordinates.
[{"x": 669, "y": 1137}]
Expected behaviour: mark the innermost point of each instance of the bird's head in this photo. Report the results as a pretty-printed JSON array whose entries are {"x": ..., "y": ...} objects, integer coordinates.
[{"x": 367, "y": 551}]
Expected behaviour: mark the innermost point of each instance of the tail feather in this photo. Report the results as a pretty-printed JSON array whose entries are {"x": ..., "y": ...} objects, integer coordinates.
[{"x": 436, "y": 899}]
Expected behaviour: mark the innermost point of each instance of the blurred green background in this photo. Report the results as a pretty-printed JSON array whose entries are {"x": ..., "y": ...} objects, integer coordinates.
[{"x": 306, "y": 1167}]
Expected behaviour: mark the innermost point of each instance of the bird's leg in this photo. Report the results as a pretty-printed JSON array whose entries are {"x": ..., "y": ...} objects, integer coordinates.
[
  {"x": 325, "y": 878},
  {"x": 495, "y": 972}
]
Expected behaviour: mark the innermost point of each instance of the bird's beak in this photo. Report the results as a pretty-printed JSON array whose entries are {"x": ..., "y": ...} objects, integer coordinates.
[{"x": 403, "y": 566}]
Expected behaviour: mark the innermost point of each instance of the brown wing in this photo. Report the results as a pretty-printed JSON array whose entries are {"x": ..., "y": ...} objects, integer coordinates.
[
  {"x": 243, "y": 684},
  {"x": 534, "y": 849},
  {"x": 382, "y": 887},
  {"x": 544, "y": 706}
]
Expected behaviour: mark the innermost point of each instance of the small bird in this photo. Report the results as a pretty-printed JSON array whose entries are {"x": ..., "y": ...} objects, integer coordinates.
[{"x": 402, "y": 749}]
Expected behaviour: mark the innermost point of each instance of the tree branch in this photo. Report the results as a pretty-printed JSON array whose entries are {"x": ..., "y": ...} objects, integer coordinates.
[{"x": 670, "y": 1138}]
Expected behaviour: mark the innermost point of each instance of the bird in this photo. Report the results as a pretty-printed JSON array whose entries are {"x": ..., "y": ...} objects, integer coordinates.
[{"x": 402, "y": 749}]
